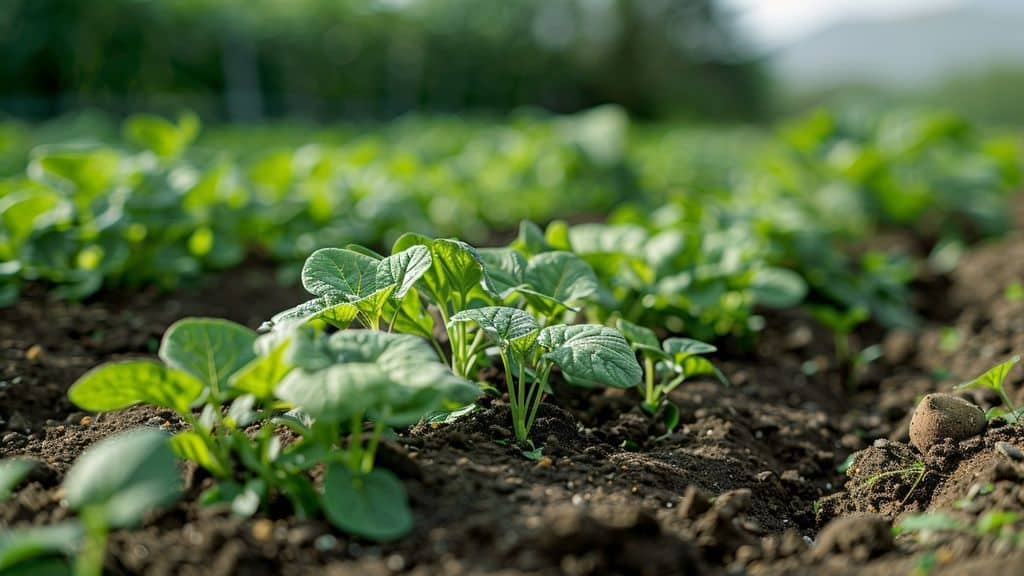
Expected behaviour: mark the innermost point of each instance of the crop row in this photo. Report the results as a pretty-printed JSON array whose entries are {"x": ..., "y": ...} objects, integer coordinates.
[
  {"x": 702, "y": 227},
  {"x": 384, "y": 343}
]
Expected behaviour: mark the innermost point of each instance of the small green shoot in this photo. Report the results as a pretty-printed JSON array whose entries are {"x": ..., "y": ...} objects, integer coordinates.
[
  {"x": 667, "y": 365},
  {"x": 995, "y": 379}
]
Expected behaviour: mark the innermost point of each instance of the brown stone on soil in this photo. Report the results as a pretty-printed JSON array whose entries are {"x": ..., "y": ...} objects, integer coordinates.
[
  {"x": 941, "y": 416},
  {"x": 861, "y": 536}
]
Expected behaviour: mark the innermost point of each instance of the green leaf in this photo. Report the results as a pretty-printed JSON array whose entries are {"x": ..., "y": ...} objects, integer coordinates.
[
  {"x": 40, "y": 567},
  {"x": 340, "y": 273},
  {"x": 164, "y": 138},
  {"x": 778, "y": 288},
  {"x": 994, "y": 378},
  {"x": 19, "y": 546},
  {"x": 210, "y": 349},
  {"x": 262, "y": 374},
  {"x": 556, "y": 279},
  {"x": 590, "y": 354},
  {"x": 681, "y": 348},
  {"x": 124, "y": 477},
  {"x": 190, "y": 445},
  {"x": 12, "y": 472},
  {"x": 670, "y": 417},
  {"x": 530, "y": 240},
  {"x": 373, "y": 505},
  {"x": 338, "y": 393},
  {"x": 509, "y": 327},
  {"x": 409, "y": 380},
  {"x": 639, "y": 338},
  {"x": 505, "y": 268},
  {"x": 456, "y": 269},
  {"x": 928, "y": 522},
  {"x": 118, "y": 385},
  {"x": 403, "y": 269}
]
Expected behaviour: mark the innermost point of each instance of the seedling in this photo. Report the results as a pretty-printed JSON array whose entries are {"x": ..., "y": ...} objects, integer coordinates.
[
  {"x": 329, "y": 382},
  {"x": 842, "y": 323},
  {"x": 916, "y": 471},
  {"x": 587, "y": 354},
  {"x": 114, "y": 484},
  {"x": 995, "y": 379},
  {"x": 667, "y": 365}
]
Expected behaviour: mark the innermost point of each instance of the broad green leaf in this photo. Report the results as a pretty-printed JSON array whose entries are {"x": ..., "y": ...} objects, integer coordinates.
[
  {"x": 414, "y": 381},
  {"x": 118, "y": 385},
  {"x": 20, "y": 546},
  {"x": 456, "y": 267},
  {"x": 338, "y": 393},
  {"x": 778, "y": 288},
  {"x": 190, "y": 445},
  {"x": 342, "y": 274},
  {"x": 530, "y": 240},
  {"x": 560, "y": 279},
  {"x": 510, "y": 327},
  {"x": 403, "y": 269},
  {"x": 680, "y": 348},
  {"x": 639, "y": 337},
  {"x": 505, "y": 268},
  {"x": 373, "y": 505},
  {"x": 388, "y": 351},
  {"x": 210, "y": 349},
  {"x": 590, "y": 354},
  {"x": 124, "y": 477},
  {"x": 12, "y": 472},
  {"x": 994, "y": 378}
]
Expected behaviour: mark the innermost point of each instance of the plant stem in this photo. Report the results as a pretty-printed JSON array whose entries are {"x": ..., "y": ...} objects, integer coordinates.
[
  {"x": 650, "y": 396},
  {"x": 538, "y": 390},
  {"x": 370, "y": 454},
  {"x": 515, "y": 404},
  {"x": 94, "y": 549}
]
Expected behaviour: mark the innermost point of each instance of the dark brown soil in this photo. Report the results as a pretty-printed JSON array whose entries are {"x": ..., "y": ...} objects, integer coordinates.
[{"x": 745, "y": 485}]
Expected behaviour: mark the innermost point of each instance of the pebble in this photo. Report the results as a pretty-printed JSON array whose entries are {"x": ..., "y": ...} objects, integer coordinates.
[
  {"x": 34, "y": 353},
  {"x": 1010, "y": 451},
  {"x": 263, "y": 530}
]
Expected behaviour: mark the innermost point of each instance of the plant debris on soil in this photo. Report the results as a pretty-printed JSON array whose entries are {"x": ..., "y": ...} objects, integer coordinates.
[{"x": 749, "y": 482}]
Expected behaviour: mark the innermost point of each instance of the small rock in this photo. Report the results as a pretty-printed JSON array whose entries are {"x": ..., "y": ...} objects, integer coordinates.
[
  {"x": 941, "y": 416},
  {"x": 1010, "y": 451},
  {"x": 862, "y": 537},
  {"x": 694, "y": 503},
  {"x": 34, "y": 353},
  {"x": 263, "y": 530}
]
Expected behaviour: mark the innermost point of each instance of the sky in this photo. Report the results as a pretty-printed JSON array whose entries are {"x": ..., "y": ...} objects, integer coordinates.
[{"x": 773, "y": 23}]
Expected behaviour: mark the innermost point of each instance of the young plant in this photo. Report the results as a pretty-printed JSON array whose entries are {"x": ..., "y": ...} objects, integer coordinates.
[
  {"x": 114, "y": 484},
  {"x": 396, "y": 380},
  {"x": 667, "y": 365},
  {"x": 392, "y": 380},
  {"x": 995, "y": 379},
  {"x": 587, "y": 354},
  {"x": 842, "y": 323}
]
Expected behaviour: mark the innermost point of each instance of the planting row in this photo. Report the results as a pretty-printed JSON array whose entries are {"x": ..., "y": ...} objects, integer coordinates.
[
  {"x": 297, "y": 413},
  {"x": 707, "y": 224}
]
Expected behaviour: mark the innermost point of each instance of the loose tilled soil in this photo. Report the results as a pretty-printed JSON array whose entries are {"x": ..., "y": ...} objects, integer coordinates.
[{"x": 747, "y": 484}]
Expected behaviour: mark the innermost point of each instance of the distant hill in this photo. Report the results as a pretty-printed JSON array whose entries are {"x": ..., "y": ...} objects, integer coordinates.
[{"x": 909, "y": 52}]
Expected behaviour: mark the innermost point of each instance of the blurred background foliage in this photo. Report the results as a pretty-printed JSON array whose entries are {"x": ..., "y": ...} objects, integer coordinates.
[{"x": 325, "y": 59}]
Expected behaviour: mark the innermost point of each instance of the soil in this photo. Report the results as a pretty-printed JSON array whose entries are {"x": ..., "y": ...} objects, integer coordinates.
[{"x": 748, "y": 483}]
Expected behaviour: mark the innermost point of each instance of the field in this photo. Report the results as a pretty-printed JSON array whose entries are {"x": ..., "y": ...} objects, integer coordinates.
[{"x": 656, "y": 349}]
